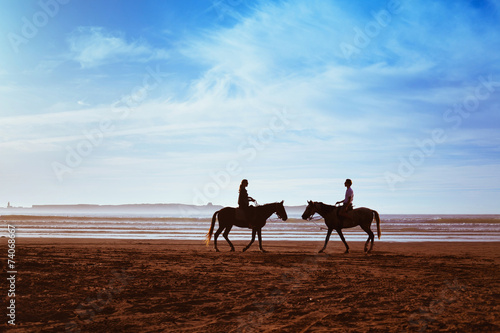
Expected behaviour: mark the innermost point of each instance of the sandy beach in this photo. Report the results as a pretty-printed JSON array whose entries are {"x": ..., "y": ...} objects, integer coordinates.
[{"x": 85, "y": 285}]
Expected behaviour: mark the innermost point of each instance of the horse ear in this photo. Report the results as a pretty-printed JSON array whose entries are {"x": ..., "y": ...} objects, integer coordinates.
[
  {"x": 309, "y": 201},
  {"x": 282, "y": 201}
]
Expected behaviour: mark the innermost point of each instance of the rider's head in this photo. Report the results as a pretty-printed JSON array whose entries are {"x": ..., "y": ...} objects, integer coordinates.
[
  {"x": 348, "y": 182},
  {"x": 244, "y": 183}
]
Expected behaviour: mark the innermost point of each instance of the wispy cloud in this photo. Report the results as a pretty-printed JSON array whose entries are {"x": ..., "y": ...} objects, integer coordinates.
[{"x": 95, "y": 46}]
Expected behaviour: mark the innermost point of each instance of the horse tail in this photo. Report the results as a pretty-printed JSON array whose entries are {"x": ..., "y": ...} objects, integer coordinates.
[
  {"x": 377, "y": 218},
  {"x": 211, "y": 230}
]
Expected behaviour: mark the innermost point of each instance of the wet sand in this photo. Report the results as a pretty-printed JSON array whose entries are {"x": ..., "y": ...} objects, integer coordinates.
[{"x": 83, "y": 285}]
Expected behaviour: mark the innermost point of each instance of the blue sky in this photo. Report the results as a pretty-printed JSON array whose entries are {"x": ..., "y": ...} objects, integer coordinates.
[{"x": 114, "y": 102}]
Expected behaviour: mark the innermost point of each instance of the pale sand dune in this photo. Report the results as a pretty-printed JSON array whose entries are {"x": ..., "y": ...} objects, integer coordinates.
[{"x": 183, "y": 286}]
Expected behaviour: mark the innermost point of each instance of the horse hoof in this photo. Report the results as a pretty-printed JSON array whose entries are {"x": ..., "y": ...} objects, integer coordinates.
[
  {"x": 217, "y": 250},
  {"x": 263, "y": 251},
  {"x": 346, "y": 251},
  {"x": 320, "y": 251},
  {"x": 246, "y": 248},
  {"x": 232, "y": 250}
]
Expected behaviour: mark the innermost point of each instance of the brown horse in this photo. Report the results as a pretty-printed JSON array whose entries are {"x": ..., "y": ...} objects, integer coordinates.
[
  {"x": 227, "y": 218},
  {"x": 359, "y": 216}
]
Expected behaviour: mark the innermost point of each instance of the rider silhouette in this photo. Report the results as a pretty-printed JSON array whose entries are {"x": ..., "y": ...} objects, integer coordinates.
[
  {"x": 243, "y": 200},
  {"x": 347, "y": 202}
]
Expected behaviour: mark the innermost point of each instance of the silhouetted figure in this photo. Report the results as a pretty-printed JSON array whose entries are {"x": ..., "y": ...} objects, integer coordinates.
[
  {"x": 243, "y": 200},
  {"x": 347, "y": 202}
]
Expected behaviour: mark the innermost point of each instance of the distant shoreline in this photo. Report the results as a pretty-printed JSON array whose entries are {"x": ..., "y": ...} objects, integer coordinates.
[{"x": 176, "y": 210}]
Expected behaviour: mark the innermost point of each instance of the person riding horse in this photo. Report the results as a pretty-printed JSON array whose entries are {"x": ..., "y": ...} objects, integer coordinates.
[
  {"x": 347, "y": 202},
  {"x": 243, "y": 200}
]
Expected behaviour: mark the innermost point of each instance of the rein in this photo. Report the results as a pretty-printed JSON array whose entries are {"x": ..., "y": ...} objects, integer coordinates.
[{"x": 314, "y": 219}]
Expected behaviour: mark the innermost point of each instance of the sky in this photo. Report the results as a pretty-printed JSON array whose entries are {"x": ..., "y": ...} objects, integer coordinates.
[{"x": 121, "y": 102}]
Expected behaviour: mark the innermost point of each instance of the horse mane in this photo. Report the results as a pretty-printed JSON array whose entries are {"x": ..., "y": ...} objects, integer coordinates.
[
  {"x": 269, "y": 204},
  {"x": 326, "y": 208}
]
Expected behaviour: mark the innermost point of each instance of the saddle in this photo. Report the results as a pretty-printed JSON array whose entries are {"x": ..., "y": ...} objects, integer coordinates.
[
  {"x": 240, "y": 214},
  {"x": 348, "y": 215},
  {"x": 245, "y": 214}
]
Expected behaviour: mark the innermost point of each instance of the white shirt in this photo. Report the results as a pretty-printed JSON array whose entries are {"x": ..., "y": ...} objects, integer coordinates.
[{"x": 348, "y": 193}]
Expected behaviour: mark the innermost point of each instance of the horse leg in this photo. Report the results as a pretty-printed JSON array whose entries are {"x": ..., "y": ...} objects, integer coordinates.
[
  {"x": 339, "y": 231},
  {"x": 260, "y": 240},
  {"x": 251, "y": 242},
  {"x": 226, "y": 234},
  {"x": 371, "y": 246},
  {"x": 371, "y": 237},
  {"x": 326, "y": 240},
  {"x": 217, "y": 233}
]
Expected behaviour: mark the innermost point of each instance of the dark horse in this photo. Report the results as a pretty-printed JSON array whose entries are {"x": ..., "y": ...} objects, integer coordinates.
[
  {"x": 359, "y": 216},
  {"x": 227, "y": 218}
]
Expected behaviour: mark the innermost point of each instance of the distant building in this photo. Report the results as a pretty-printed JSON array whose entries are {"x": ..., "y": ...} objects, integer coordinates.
[{"x": 8, "y": 205}]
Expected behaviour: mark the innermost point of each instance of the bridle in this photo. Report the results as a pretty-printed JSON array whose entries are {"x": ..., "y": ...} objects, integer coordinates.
[
  {"x": 314, "y": 219},
  {"x": 276, "y": 212},
  {"x": 311, "y": 216}
]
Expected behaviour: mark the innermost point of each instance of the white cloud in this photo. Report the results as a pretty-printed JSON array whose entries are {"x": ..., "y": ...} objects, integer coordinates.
[
  {"x": 94, "y": 46},
  {"x": 82, "y": 103}
]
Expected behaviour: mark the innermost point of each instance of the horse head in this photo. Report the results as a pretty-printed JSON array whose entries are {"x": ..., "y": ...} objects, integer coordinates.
[
  {"x": 280, "y": 211},
  {"x": 310, "y": 210}
]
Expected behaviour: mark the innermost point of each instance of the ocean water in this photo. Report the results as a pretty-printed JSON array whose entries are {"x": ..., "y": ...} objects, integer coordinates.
[{"x": 394, "y": 228}]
